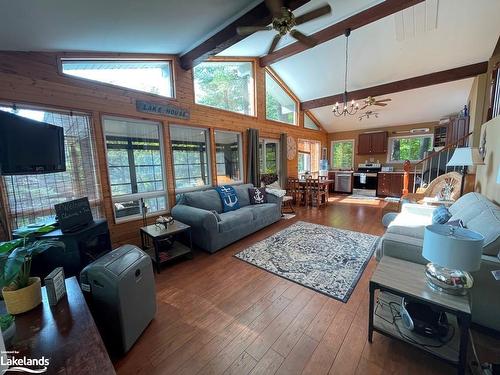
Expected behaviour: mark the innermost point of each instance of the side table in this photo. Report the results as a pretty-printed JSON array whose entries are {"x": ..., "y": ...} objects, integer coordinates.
[
  {"x": 165, "y": 242},
  {"x": 403, "y": 279}
]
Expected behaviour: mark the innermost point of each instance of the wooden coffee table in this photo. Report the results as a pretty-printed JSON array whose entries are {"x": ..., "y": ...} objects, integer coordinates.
[
  {"x": 165, "y": 242},
  {"x": 396, "y": 279}
]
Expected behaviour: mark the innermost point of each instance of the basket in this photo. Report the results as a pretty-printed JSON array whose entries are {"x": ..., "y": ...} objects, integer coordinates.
[{"x": 18, "y": 301}]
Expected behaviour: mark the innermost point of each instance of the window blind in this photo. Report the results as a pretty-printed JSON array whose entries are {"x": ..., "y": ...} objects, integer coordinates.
[{"x": 31, "y": 198}]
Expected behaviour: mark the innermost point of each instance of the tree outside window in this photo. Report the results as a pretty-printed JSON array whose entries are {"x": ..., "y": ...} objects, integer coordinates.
[
  {"x": 225, "y": 85},
  {"x": 343, "y": 154},
  {"x": 409, "y": 148},
  {"x": 279, "y": 105}
]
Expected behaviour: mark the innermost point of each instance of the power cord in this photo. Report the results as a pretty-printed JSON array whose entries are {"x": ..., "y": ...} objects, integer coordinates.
[{"x": 394, "y": 309}]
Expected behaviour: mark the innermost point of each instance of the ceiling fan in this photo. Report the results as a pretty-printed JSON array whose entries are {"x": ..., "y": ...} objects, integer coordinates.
[
  {"x": 368, "y": 114},
  {"x": 284, "y": 22},
  {"x": 372, "y": 101}
]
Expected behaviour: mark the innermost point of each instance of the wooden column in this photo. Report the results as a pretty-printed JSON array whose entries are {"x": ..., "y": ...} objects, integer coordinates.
[{"x": 406, "y": 176}]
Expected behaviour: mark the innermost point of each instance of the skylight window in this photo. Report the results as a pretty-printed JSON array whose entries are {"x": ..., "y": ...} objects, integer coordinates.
[{"x": 153, "y": 77}]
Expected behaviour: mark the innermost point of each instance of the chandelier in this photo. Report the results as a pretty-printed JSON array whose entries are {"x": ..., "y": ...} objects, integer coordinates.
[{"x": 346, "y": 108}]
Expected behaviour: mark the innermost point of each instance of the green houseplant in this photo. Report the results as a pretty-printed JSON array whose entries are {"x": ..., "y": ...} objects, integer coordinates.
[
  {"x": 21, "y": 292},
  {"x": 8, "y": 327}
]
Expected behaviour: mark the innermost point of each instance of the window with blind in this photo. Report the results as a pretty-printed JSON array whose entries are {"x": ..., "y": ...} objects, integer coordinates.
[
  {"x": 31, "y": 198},
  {"x": 309, "y": 155},
  {"x": 190, "y": 157},
  {"x": 228, "y": 154},
  {"x": 135, "y": 166}
]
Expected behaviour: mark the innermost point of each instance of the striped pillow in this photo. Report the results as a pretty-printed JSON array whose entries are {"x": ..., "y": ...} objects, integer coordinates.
[{"x": 441, "y": 215}]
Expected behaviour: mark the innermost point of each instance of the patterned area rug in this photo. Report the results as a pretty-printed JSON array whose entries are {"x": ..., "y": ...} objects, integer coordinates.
[{"x": 326, "y": 259}]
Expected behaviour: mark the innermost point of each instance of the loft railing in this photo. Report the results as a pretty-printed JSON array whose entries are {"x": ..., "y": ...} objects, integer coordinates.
[{"x": 426, "y": 169}]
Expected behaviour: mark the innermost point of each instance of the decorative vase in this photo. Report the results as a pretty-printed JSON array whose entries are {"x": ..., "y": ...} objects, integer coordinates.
[
  {"x": 8, "y": 335},
  {"x": 21, "y": 300}
]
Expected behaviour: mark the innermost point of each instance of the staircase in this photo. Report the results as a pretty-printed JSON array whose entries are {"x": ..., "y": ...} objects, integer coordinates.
[{"x": 432, "y": 166}]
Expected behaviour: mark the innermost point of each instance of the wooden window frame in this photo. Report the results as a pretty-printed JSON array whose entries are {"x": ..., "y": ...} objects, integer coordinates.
[
  {"x": 252, "y": 61},
  {"x": 132, "y": 57},
  {"x": 332, "y": 144},
  {"x": 279, "y": 81}
]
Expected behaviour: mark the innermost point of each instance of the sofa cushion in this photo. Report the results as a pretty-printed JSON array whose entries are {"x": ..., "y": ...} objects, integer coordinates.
[
  {"x": 234, "y": 219},
  {"x": 206, "y": 200},
  {"x": 470, "y": 205},
  {"x": 440, "y": 215},
  {"x": 242, "y": 192},
  {"x": 408, "y": 224},
  {"x": 264, "y": 209},
  {"x": 488, "y": 224}
]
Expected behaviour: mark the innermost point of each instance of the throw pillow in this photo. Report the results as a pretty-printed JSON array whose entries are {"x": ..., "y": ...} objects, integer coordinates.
[
  {"x": 441, "y": 215},
  {"x": 257, "y": 195},
  {"x": 228, "y": 197},
  {"x": 456, "y": 223}
]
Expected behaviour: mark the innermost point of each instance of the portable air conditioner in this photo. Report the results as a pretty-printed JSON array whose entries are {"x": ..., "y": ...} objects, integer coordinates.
[{"x": 120, "y": 290}]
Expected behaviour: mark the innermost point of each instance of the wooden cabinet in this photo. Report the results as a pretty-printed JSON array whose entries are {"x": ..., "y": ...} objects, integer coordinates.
[
  {"x": 391, "y": 184},
  {"x": 372, "y": 143},
  {"x": 458, "y": 128}
]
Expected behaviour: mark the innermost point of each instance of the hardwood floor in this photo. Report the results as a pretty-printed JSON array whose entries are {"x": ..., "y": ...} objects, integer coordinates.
[{"x": 219, "y": 315}]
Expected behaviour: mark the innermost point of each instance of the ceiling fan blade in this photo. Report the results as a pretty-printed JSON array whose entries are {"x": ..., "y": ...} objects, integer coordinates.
[
  {"x": 380, "y": 104},
  {"x": 363, "y": 107},
  {"x": 321, "y": 11},
  {"x": 247, "y": 30},
  {"x": 274, "y": 43},
  {"x": 307, "y": 40},
  {"x": 274, "y": 7},
  {"x": 384, "y": 100}
]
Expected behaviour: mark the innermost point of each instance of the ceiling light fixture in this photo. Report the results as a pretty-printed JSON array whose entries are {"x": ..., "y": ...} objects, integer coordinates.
[{"x": 346, "y": 108}]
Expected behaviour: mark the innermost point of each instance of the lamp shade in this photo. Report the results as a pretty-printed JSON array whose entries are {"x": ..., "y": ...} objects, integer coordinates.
[
  {"x": 465, "y": 156},
  {"x": 453, "y": 247}
]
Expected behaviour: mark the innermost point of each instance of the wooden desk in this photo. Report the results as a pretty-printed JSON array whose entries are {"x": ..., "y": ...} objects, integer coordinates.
[{"x": 65, "y": 334}]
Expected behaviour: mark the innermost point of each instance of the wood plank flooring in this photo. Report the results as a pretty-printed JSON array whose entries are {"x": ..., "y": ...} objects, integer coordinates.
[{"x": 219, "y": 315}]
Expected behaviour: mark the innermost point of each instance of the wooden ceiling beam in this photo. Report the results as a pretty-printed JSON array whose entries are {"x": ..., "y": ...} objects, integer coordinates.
[
  {"x": 436, "y": 78},
  {"x": 225, "y": 38},
  {"x": 356, "y": 21}
]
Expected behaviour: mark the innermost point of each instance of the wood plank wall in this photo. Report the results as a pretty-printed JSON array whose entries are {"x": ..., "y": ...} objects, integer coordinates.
[{"x": 34, "y": 78}]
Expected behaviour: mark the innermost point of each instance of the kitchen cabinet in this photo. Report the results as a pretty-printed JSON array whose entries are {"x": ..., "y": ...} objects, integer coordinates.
[
  {"x": 372, "y": 143},
  {"x": 391, "y": 184}
]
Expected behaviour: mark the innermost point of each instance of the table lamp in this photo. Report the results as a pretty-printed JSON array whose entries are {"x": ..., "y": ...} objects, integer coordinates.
[
  {"x": 465, "y": 157},
  {"x": 453, "y": 252}
]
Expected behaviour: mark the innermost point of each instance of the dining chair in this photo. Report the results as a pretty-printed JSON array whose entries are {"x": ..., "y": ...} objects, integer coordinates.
[{"x": 318, "y": 193}]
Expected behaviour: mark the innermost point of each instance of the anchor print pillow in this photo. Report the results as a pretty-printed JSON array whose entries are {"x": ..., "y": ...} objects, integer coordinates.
[
  {"x": 257, "y": 195},
  {"x": 228, "y": 197}
]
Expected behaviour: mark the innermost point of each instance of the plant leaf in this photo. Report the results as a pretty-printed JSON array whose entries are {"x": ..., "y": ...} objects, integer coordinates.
[{"x": 9, "y": 245}]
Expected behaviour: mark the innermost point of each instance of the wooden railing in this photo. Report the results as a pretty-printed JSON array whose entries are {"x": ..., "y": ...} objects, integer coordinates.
[{"x": 421, "y": 166}]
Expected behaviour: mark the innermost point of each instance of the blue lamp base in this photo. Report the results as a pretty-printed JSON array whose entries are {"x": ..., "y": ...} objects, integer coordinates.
[{"x": 447, "y": 280}]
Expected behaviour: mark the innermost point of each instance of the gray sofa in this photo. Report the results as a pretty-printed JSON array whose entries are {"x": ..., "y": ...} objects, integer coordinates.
[
  {"x": 404, "y": 238},
  {"x": 212, "y": 229}
]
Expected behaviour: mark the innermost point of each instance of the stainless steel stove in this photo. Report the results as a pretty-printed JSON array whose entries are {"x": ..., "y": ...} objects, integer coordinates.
[{"x": 366, "y": 179}]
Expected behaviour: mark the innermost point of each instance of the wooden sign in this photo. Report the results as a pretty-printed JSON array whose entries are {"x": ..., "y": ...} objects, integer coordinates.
[{"x": 162, "y": 109}]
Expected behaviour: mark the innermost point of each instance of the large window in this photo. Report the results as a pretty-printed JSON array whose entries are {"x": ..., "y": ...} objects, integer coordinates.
[
  {"x": 226, "y": 85},
  {"x": 309, "y": 156},
  {"x": 280, "y": 106},
  {"x": 31, "y": 198},
  {"x": 135, "y": 165},
  {"x": 343, "y": 154},
  {"x": 409, "y": 148},
  {"x": 153, "y": 77},
  {"x": 269, "y": 156},
  {"x": 309, "y": 123},
  {"x": 190, "y": 157},
  {"x": 228, "y": 157}
]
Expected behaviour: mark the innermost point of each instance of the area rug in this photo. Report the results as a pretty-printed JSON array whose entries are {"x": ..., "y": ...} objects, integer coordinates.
[{"x": 326, "y": 259}]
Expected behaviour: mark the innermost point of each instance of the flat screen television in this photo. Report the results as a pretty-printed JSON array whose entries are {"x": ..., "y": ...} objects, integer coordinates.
[{"x": 30, "y": 147}]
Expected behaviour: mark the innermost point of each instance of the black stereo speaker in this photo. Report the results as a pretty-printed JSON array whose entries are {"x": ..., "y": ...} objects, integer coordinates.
[{"x": 422, "y": 319}]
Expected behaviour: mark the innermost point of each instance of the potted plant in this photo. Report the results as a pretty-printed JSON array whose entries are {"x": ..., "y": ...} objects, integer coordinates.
[
  {"x": 21, "y": 292},
  {"x": 8, "y": 327}
]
